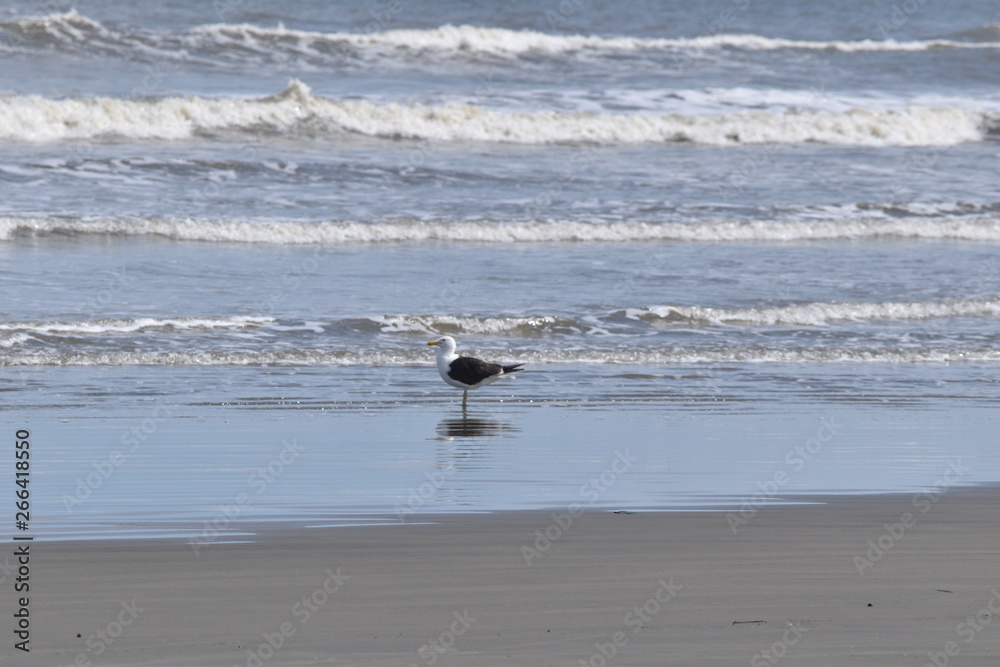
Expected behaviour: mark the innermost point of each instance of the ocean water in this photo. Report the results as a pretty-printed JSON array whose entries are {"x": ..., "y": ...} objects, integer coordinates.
[{"x": 714, "y": 234}]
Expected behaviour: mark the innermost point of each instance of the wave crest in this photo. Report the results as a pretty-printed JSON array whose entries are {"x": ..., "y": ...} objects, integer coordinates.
[
  {"x": 73, "y": 31},
  {"x": 815, "y": 314},
  {"x": 69, "y": 25},
  {"x": 20, "y": 330},
  {"x": 646, "y": 357},
  {"x": 943, "y": 227},
  {"x": 297, "y": 112},
  {"x": 432, "y": 325}
]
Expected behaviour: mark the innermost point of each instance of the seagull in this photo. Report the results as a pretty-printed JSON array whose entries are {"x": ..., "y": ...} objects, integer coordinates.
[{"x": 468, "y": 372}]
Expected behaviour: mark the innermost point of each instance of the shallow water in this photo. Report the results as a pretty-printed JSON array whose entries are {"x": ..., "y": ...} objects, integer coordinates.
[{"x": 191, "y": 452}]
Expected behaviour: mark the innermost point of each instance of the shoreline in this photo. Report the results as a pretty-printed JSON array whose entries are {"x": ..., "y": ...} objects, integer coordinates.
[
  {"x": 254, "y": 529},
  {"x": 540, "y": 588}
]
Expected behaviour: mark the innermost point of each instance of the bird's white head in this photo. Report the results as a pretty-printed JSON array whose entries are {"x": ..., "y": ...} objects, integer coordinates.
[{"x": 446, "y": 344}]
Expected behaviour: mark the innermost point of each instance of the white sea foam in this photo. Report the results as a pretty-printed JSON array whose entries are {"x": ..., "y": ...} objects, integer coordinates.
[
  {"x": 446, "y": 324},
  {"x": 816, "y": 314},
  {"x": 474, "y": 40},
  {"x": 792, "y": 315},
  {"x": 65, "y": 26},
  {"x": 629, "y": 356},
  {"x": 21, "y": 330},
  {"x": 71, "y": 29},
  {"x": 958, "y": 228},
  {"x": 13, "y": 339},
  {"x": 297, "y": 112},
  {"x": 669, "y": 316}
]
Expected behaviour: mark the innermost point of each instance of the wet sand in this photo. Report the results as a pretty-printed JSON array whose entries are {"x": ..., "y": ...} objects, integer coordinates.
[{"x": 859, "y": 580}]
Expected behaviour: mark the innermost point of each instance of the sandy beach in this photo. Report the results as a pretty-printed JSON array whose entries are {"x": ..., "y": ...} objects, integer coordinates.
[{"x": 864, "y": 580}]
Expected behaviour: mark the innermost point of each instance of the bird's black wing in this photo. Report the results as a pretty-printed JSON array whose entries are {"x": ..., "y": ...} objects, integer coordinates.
[{"x": 469, "y": 370}]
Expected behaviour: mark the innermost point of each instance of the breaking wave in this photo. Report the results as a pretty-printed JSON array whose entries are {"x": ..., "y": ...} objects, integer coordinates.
[
  {"x": 629, "y": 356},
  {"x": 445, "y": 324},
  {"x": 15, "y": 335},
  {"x": 296, "y": 112},
  {"x": 140, "y": 324},
  {"x": 815, "y": 314},
  {"x": 467, "y": 39},
  {"x": 944, "y": 227},
  {"x": 74, "y": 32}
]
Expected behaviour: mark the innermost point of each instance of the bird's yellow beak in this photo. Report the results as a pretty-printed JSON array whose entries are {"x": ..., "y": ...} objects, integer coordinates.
[{"x": 433, "y": 342}]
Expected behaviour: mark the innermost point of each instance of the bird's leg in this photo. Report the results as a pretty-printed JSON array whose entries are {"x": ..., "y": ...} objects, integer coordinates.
[{"x": 465, "y": 398}]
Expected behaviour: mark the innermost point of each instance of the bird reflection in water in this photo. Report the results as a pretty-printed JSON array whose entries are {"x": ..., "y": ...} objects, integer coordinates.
[{"x": 474, "y": 427}]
